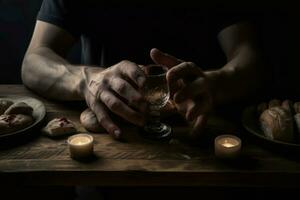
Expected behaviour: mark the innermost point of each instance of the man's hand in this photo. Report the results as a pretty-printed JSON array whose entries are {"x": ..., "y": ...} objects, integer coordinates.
[
  {"x": 189, "y": 88},
  {"x": 117, "y": 90}
]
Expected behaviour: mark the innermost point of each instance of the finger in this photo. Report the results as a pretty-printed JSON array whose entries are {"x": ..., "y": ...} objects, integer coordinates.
[
  {"x": 183, "y": 107},
  {"x": 191, "y": 106},
  {"x": 120, "y": 108},
  {"x": 194, "y": 109},
  {"x": 184, "y": 70},
  {"x": 196, "y": 88},
  {"x": 125, "y": 90},
  {"x": 94, "y": 87},
  {"x": 199, "y": 125},
  {"x": 103, "y": 118},
  {"x": 161, "y": 58},
  {"x": 202, "y": 106},
  {"x": 177, "y": 74},
  {"x": 175, "y": 87},
  {"x": 133, "y": 72}
]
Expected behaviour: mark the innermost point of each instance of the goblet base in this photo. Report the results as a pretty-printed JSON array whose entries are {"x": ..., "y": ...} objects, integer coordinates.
[{"x": 157, "y": 132}]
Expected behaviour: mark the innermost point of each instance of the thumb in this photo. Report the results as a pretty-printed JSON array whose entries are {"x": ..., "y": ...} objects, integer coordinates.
[{"x": 164, "y": 59}]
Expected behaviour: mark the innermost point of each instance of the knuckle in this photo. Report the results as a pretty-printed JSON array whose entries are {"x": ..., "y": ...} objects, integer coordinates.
[
  {"x": 90, "y": 101},
  {"x": 105, "y": 81},
  {"x": 113, "y": 105},
  {"x": 134, "y": 101},
  {"x": 121, "y": 88},
  {"x": 170, "y": 74},
  {"x": 134, "y": 74},
  {"x": 125, "y": 62},
  {"x": 99, "y": 94},
  {"x": 189, "y": 64}
]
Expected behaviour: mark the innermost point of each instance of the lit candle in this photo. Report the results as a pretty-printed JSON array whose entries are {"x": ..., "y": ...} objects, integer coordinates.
[
  {"x": 227, "y": 146},
  {"x": 81, "y": 145}
]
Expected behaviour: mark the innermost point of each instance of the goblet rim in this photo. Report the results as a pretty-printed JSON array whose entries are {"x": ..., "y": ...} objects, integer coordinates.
[{"x": 165, "y": 70}]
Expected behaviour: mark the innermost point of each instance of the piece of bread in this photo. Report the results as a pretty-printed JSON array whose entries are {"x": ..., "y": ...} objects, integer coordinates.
[
  {"x": 89, "y": 121},
  {"x": 297, "y": 122},
  {"x": 274, "y": 103},
  {"x": 4, "y": 105},
  {"x": 288, "y": 106},
  {"x": 297, "y": 107},
  {"x": 11, "y": 123},
  {"x": 4, "y": 124},
  {"x": 261, "y": 108},
  {"x": 59, "y": 127},
  {"x": 19, "y": 108},
  {"x": 277, "y": 124}
]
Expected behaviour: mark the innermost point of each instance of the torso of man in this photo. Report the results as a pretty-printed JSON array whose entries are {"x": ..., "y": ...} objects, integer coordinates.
[{"x": 111, "y": 33}]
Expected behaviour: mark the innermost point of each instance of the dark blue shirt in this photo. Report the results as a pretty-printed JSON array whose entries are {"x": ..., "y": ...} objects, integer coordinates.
[{"x": 112, "y": 32}]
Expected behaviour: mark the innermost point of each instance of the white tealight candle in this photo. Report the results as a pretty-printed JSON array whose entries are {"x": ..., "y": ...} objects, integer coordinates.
[
  {"x": 81, "y": 145},
  {"x": 227, "y": 146}
]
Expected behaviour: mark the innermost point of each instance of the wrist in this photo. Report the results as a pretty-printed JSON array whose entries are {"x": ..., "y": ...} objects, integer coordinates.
[{"x": 87, "y": 75}]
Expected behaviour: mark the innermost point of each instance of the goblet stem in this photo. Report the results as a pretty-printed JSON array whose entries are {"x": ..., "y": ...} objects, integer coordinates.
[
  {"x": 154, "y": 119},
  {"x": 156, "y": 92}
]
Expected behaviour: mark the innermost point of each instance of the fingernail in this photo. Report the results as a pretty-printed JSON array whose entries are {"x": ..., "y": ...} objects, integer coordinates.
[
  {"x": 117, "y": 133},
  {"x": 141, "y": 80}
]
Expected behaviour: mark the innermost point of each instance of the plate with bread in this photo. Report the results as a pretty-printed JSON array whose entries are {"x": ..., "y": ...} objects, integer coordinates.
[
  {"x": 19, "y": 115},
  {"x": 276, "y": 122}
]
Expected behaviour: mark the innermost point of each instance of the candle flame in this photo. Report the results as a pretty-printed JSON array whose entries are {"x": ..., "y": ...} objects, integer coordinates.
[
  {"x": 81, "y": 140},
  {"x": 227, "y": 144}
]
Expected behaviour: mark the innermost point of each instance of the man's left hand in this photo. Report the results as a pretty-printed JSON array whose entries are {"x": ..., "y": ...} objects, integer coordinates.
[{"x": 189, "y": 88}]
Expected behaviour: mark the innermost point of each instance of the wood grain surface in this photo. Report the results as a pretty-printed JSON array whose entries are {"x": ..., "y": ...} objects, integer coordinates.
[{"x": 136, "y": 161}]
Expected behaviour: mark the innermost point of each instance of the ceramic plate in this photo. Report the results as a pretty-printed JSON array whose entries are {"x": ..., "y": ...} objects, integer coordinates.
[
  {"x": 39, "y": 113},
  {"x": 251, "y": 123}
]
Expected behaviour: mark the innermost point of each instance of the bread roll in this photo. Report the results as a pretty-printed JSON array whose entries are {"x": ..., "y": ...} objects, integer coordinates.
[
  {"x": 261, "y": 108},
  {"x": 4, "y": 124},
  {"x": 288, "y": 106},
  {"x": 4, "y": 104},
  {"x": 277, "y": 124},
  {"x": 297, "y": 107},
  {"x": 11, "y": 123},
  {"x": 297, "y": 122},
  {"x": 89, "y": 121},
  {"x": 19, "y": 108},
  {"x": 274, "y": 103},
  {"x": 21, "y": 121}
]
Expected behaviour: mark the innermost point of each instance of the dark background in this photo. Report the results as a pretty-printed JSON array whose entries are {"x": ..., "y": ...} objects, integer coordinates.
[
  {"x": 277, "y": 28},
  {"x": 17, "y": 19}
]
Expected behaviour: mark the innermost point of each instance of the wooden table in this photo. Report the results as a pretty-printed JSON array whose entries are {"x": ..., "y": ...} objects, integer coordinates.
[{"x": 139, "y": 162}]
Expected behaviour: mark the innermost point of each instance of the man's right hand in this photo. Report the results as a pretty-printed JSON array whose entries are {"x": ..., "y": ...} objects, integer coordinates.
[{"x": 116, "y": 90}]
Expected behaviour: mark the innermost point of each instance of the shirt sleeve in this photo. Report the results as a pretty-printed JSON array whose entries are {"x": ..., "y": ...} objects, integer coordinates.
[{"x": 59, "y": 13}]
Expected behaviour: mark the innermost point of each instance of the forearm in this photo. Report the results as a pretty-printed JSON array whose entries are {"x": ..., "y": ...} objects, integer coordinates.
[
  {"x": 53, "y": 77},
  {"x": 240, "y": 78}
]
